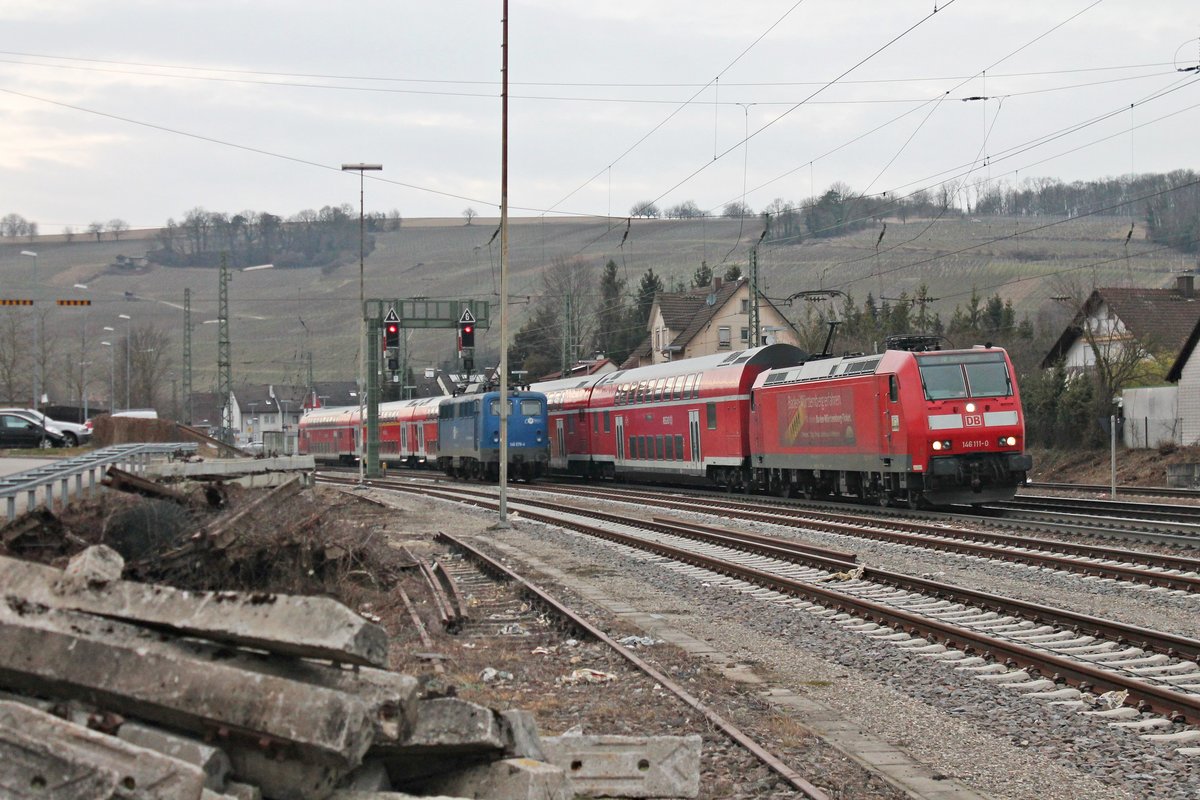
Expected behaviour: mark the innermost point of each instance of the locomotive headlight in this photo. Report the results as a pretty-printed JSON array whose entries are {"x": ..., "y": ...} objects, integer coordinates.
[
  {"x": 937, "y": 445},
  {"x": 1010, "y": 441},
  {"x": 970, "y": 408}
]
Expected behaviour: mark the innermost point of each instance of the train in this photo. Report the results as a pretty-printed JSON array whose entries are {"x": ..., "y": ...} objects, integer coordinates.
[
  {"x": 906, "y": 426},
  {"x": 914, "y": 426},
  {"x": 459, "y": 435}
]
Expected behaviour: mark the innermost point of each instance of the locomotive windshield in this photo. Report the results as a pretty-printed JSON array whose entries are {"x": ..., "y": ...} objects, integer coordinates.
[{"x": 950, "y": 377}]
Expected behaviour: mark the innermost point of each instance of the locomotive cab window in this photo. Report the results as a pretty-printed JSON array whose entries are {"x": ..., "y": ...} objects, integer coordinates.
[
  {"x": 953, "y": 377},
  {"x": 893, "y": 389},
  {"x": 530, "y": 407}
]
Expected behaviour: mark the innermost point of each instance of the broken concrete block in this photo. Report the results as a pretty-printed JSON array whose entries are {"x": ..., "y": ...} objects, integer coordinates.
[
  {"x": 451, "y": 725},
  {"x": 211, "y": 760},
  {"x": 42, "y": 755},
  {"x": 132, "y": 671},
  {"x": 507, "y": 779},
  {"x": 285, "y": 778},
  {"x": 628, "y": 766},
  {"x": 243, "y": 791},
  {"x": 346, "y": 794},
  {"x": 449, "y": 734},
  {"x": 95, "y": 567},
  {"x": 522, "y": 735},
  {"x": 372, "y": 776},
  {"x": 304, "y": 627}
]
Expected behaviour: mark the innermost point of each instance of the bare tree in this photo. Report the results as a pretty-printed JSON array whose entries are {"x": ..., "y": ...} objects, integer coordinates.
[
  {"x": 96, "y": 229},
  {"x": 469, "y": 214},
  {"x": 15, "y": 373},
  {"x": 149, "y": 362},
  {"x": 69, "y": 234},
  {"x": 644, "y": 208},
  {"x": 117, "y": 226}
]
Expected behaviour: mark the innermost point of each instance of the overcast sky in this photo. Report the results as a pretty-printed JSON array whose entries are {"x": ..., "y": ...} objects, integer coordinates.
[{"x": 145, "y": 109}]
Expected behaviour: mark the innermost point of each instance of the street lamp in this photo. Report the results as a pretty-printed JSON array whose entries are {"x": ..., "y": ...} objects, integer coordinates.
[
  {"x": 37, "y": 361},
  {"x": 362, "y": 304},
  {"x": 112, "y": 369},
  {"x": 128, "y": 348}
]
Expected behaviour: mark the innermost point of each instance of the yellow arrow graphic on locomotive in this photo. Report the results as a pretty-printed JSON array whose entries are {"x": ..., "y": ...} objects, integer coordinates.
[{"x": 799, "y": 416}]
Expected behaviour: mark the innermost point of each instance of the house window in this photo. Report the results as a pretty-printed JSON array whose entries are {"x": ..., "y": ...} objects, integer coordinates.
[
  {"x": 745, "y": 305},
  {"x": 745, "y": 334},
  {"x": 657, "y": 339},
  {"x": 723, "y": 337}
]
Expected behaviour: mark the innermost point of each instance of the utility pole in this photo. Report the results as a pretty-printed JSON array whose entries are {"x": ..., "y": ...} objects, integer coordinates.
[
  {"x": 224, "y": 360},
  {"x": 503, "y": 523},
  {"x": 187, "y": 353},
  {"x": 755, "y": 340}
]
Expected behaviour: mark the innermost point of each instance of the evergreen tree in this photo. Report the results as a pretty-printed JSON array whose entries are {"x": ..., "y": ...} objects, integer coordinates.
[
  {"x": 702, "y": 276},
  {"x": 612, "y": 338}
]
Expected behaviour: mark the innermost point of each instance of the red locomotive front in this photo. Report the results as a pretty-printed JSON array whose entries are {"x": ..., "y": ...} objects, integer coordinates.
[{"x": 935, "y": 427}]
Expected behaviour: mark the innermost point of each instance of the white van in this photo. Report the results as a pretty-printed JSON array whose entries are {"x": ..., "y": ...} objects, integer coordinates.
[{"x": 139, "y": 413}]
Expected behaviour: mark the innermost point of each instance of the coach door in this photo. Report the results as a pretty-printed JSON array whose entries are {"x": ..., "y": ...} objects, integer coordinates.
[
  {"x": 562, "y": 443},
  {"x": 694, "y": 433},
  {"x": 620, "y": 439}
]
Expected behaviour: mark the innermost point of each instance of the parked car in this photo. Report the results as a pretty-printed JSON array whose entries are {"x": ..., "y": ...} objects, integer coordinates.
[
  {"x": 74, "y": 433},
  {"x": 21, "y": 432}
]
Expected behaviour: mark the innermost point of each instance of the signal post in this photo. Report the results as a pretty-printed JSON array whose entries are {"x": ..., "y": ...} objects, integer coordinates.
[{"x": 385, "y": 320}]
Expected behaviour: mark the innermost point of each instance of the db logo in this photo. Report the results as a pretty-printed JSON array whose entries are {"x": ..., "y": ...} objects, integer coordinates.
[{"x": 974, "y": 420}]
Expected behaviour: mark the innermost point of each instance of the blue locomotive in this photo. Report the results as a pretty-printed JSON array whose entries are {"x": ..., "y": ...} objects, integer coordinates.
[{"x": 469, "y": 435}]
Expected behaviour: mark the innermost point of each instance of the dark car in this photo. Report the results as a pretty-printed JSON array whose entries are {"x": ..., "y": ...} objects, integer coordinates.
[{"x": 23, "y": 433}]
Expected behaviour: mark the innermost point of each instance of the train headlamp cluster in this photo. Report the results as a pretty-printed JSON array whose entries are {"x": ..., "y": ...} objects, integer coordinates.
[
  {"x": 941, "y": 444},
  {"x": 970, "y": 408},
  {"x": 1008, "y": 440}
]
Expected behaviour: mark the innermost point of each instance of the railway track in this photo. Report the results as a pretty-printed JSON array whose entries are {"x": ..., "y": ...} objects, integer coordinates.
[
  {"x": 503, "y": 604},
  {"x": 1125, "y": 491},
  {"x": 1051, "y": 652}
]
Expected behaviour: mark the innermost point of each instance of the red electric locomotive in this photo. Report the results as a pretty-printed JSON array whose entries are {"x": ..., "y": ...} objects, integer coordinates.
[
  {"x": 676, "y": 421},
  {"x": 935, "y": 428}
]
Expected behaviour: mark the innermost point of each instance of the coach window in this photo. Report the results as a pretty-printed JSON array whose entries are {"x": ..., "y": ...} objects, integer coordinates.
[
  {"x": 679, "y": 446},
  {"x": 606, "y": 421},
  {"x": 670, "y": 444},
  {"x": 711, "y": 410},
  {"x": 641, "y": 446},
  {"x": 677, "y": 387},
  {"x": 632, "y": 447},
  {"x": 596, "y": 423},
  {"x": 658, "y": 447},
  {"x": 658, "y": 389},
  {"x": 696, "y": 388},
  {"x": 570, "y": 423},
  {"x": 687, "y": 386},
  {"x": 893, "y": 389}
]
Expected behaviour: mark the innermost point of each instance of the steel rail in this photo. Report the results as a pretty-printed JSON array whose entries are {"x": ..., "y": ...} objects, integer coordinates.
[
  {"x": 960, "y": 541},
  {"x": 769, "y": 759}
]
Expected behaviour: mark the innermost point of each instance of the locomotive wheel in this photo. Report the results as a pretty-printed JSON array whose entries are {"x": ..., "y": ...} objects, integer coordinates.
[
  {"x": 884, "y": 499},
  {"x": 808, "y": 491},
  {"x": 915, "y": 500}
]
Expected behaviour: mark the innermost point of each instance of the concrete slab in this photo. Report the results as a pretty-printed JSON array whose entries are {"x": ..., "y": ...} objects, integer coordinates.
[
  {"x": 224, "y": 467},
  {"x": 523, "y": 738},
  {"x": 282, "y": 778},
  {"x": 507, "y": 779},
  {"x": 243, "y": 791},
  {"x": 449, "y": 726},
  {"x": 97, "y": 566},
  {"x": 212, "y": 761},
  {"x": 36, "y": 746},
  {"x": 131, "y": 671},
  {"x": 628, "y": 766},
  {"x": 305, "y": 627}
]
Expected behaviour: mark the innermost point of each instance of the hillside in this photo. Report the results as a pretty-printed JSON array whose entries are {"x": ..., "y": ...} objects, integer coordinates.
[{"x": 280, "y": 316}]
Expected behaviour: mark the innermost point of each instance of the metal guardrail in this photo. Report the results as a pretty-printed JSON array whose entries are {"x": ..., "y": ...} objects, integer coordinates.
[{"x": 37, "y": 485}]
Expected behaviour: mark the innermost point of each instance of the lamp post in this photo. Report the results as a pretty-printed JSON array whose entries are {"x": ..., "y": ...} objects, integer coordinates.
[
  {"x": 112, "y": 369},
  {"x": 128, "y": 348},
  {"x": 362, "y": 305},
  {"x": 37, "y": 361}
]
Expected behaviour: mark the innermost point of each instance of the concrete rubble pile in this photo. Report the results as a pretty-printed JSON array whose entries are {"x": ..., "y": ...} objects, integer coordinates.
[{"x": 111, "y": 688}]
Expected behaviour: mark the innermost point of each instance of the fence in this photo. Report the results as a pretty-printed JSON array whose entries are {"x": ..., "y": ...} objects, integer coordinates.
[{"x": 38, "y": 486}]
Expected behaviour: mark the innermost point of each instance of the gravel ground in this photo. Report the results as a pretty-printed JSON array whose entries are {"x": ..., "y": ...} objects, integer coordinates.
[{"x": 993, "y": 740}]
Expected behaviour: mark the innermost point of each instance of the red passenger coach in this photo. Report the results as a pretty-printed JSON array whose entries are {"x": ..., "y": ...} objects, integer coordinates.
[
  {"x": 408, "y": 431},
  {"x": 329, "y": 434},
  {"x": 935, "y": 427},
  {"x": 571, "y": 424},
  {"x": 681, "y": 420}
]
